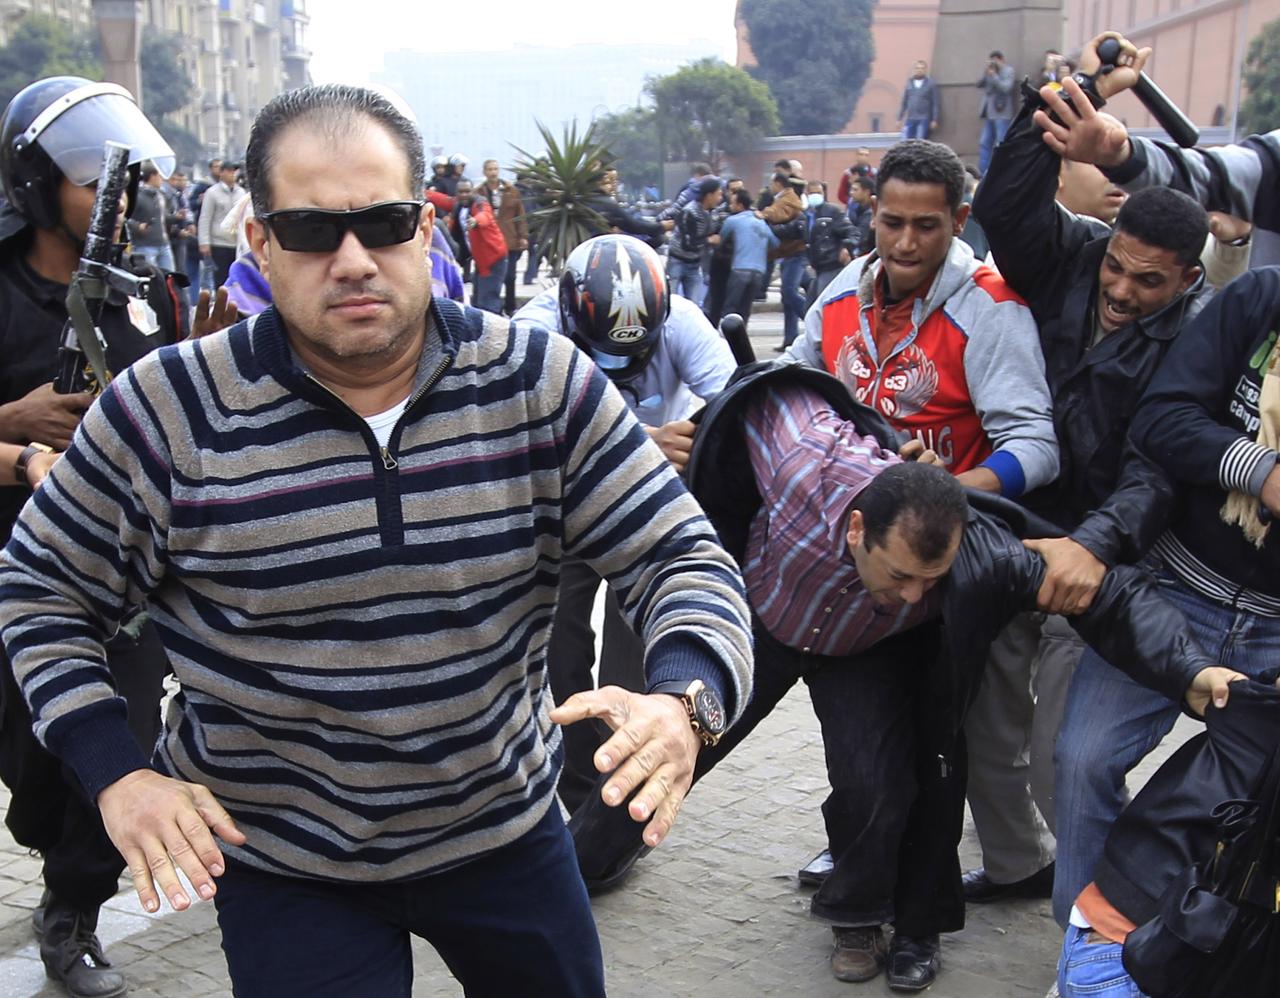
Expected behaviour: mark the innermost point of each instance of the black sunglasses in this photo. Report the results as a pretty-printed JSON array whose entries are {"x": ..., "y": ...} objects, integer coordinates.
[{"x": 319, "y": 230}]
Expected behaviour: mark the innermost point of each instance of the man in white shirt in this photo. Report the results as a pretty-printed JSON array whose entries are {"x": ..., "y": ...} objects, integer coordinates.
[
  {"x": 217, "y": 244},
  {"x": 663, "y": 355}
]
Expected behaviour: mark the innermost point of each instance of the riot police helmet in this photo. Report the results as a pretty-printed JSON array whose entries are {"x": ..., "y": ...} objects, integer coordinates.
[{"x": 56, "y": 128}]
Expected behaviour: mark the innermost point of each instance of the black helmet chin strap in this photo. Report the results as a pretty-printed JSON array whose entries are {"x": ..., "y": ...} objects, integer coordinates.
[{"x": 76, "y": 241}]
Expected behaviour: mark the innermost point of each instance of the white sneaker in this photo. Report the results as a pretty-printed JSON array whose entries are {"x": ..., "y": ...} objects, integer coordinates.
[{"x": 1053, "y": 991}]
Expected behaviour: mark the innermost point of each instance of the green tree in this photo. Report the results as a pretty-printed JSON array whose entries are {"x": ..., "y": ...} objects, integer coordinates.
[
  {"x": 815, "y": 59},
  {"x": 167, "y": 88},
  {"x": 166, "y": 85},
  {"x": 631, "y": 136},
  {"x": 43, "y": 47},
  {"x": 1260, "y": 111},
  {"x": 708, "y": 109},
  {"x": 565, "y": 185},
  {"x": 186, "y": 145}
]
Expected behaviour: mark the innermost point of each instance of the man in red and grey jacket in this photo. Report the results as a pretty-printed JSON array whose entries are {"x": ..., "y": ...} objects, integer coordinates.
[{"x": 932, "y": 340}]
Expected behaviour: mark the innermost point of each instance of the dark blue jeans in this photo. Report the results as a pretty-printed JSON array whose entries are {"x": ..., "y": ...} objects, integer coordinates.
[
  {"x": 514, "y": 921},
  {"x": 793, "y": 298},
  {"x": 1112, "y": 722},
  {"x": 486, "y": 292}
]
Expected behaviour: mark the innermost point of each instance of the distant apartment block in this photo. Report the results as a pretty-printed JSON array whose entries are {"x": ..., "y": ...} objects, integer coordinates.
[{"x": 239, "y": 53}]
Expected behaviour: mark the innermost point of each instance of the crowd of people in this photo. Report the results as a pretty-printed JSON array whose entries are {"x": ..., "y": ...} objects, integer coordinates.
[{"x": 1005, "y": 505}]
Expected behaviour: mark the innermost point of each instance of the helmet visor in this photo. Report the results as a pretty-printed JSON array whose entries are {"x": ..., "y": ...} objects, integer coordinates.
[
  {"x": 74, "y": 139},
  {"x": 609, "y": 361}
]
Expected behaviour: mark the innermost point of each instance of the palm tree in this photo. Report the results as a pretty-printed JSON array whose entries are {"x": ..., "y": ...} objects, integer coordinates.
[{"x": 566, "y": 183}]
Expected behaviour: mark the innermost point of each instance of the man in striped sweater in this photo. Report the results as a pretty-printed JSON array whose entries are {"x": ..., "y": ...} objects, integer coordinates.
[{"x": 347, "y": 516}]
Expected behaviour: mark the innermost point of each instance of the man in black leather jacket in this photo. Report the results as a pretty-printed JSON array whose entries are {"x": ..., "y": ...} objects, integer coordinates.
[
  {"x": 832, "y": 242},
  {"x": 1108, "y": 305},
  {"x": 992, "y": 577}
]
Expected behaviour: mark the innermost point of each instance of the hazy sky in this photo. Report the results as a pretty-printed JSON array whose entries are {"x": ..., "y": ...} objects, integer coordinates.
[{"x": 348, "y": 39}]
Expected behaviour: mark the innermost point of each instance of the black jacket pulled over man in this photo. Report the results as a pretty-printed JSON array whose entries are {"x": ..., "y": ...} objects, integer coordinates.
[
  {"x": 993, "y": 578},
  {"x": 1111, "y": 500}
]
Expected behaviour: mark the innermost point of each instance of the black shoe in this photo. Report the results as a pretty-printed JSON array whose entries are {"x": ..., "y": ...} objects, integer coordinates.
[
  {"x": 606, "y": 842},
  {"x": 37, "y": 916},
  {"x": 73, "y": 956},
  {"x": 617, "y": 873},
  {"x": 815, "y": 872},
  {"x": 981, "y": 889},
  {"x": 913, "y": 963}
]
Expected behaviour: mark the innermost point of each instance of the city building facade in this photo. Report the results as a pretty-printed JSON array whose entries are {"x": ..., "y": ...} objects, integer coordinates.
[{"x": 237, "y": 53}]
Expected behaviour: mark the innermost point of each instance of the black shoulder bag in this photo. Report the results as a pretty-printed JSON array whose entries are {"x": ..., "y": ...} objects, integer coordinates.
[{"x": 1217, "y": 934}]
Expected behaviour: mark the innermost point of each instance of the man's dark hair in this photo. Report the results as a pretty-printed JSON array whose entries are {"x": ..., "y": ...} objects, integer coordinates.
[
  {"x": 216, "y": 159},
  {"x": 783, "y": 164},
  {"x": 338, "y": 108},
  {"x": 1166, "y": 219},
  {"x": 925, "y": 500},
  {"x": 147, "y": 171},
  {"x": 705, "y": 186},
  {"x": 866, "y": 183},
  {"x": 919, "y": 161},
  {"x": 996, "y": 54},
  {"x": 742, "y": 197},
  {"x": 732, "y": 180},
  {"x": 701, "y": 169}
]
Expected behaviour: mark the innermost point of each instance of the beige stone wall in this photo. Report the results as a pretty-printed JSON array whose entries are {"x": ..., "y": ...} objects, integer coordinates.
[{"x": 1199, "y": 49}]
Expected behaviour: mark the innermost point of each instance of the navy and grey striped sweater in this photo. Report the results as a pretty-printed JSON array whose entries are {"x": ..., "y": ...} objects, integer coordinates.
[{"x": 359, "y": 633}]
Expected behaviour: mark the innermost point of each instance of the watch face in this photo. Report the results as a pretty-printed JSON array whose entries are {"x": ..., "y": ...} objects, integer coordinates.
[{"x": 709, "y": 711}]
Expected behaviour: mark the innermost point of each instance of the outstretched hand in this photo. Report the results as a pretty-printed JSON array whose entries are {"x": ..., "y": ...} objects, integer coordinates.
[
  {"x": 157, "y": 822},
  {"x": 1079, "y": 131},
  {"x": 653, "y": 744}
]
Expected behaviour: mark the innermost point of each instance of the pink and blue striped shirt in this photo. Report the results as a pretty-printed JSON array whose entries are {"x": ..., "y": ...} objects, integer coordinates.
[{"x": 809, "y": 465}]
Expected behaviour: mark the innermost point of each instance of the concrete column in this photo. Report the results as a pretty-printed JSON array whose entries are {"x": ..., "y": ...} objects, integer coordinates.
[
  {"x": 120, "y": 33},
  {"x": 967, "y": 31}
]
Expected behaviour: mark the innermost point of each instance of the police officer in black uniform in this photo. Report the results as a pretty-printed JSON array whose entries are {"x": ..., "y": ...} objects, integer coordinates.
[{"x": 51, "y": 141}]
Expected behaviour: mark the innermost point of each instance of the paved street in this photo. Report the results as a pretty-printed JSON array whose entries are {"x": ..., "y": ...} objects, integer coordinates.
[{"x": 715, "y": 912}]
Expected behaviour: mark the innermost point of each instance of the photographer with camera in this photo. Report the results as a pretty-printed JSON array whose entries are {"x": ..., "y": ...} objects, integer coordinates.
[{"x": 996, "y": 112}]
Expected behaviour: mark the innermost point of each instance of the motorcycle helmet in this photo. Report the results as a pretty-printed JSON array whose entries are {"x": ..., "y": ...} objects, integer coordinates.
[
  {"x": 56, "y": 128},
  {"x": 614, "y": 301}
]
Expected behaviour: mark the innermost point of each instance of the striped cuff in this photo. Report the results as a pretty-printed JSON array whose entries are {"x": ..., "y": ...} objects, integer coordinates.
[
  {"x": 1245, "y": 466},
  {"x": 1008, "y": 469},
  {"x": 683, "y": 658},
  {"x": 100, "y": 748}
]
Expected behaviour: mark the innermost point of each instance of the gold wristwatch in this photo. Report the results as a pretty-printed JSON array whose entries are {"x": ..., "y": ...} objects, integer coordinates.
[{"x": 706, "y": 713}]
